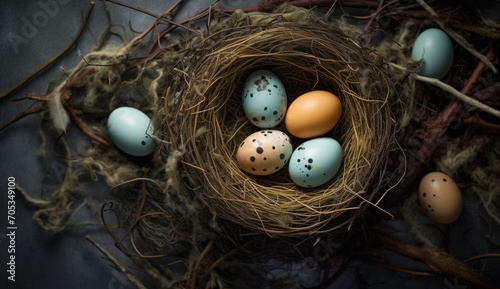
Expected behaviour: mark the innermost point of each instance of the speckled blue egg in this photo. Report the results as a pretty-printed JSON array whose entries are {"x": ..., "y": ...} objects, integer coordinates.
[
  {"x": 315, "y": 162},
  {"x": 434, "y": 47},
  {"x": 264, "y": 99},
  {"x": 130, "y": 130}
]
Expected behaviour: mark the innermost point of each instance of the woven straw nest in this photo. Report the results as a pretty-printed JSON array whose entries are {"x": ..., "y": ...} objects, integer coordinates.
[{"x": 203, "y": 119}]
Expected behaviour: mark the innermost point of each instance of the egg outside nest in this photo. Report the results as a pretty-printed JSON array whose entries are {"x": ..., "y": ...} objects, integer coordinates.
[{"x": 440, "y": 198}]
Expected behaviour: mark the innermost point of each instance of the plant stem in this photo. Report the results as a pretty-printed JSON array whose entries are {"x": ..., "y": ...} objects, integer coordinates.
[
  {"x": 53, "y": 59},
  {"x": 131, "y": 277}
]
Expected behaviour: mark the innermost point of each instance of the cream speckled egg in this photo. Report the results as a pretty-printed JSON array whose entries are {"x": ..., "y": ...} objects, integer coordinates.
[
  {"x": 264, "y": 152},
  {"x": 440, "y": 197}
]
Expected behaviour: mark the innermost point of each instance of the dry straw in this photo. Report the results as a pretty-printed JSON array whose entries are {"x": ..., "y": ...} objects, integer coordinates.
[{"x": 202, "y": 119}]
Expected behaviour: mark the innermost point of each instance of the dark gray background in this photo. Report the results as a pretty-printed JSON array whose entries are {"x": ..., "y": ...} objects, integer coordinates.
[{"x": 66, "y": 260}]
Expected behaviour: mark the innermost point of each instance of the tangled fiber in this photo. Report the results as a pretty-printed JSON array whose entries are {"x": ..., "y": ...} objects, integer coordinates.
[
  {"x": 203, "y": 118},
  {"x": 190, "y": 195}
]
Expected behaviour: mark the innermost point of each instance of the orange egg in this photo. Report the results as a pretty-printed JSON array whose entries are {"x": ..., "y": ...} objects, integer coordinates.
[
  {"x": 313, "y": 114},
  {"x": 440, "y": 197}
]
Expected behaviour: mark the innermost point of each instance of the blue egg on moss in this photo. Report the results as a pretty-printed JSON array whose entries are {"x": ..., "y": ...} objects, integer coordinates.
[
  {"x": 130, "y": 130},
  {"x": 435, "y": 48}
]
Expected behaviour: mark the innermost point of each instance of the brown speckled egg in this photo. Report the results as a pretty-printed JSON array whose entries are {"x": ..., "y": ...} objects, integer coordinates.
[
  {"x": 440, "y": 197},
  {"x": 264, "y": 152}
]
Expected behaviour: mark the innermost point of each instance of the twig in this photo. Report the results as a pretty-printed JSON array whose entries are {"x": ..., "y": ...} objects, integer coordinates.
[
  {"x": 399, "y": 269},
  {"x": 152, "y": 26},
  {"x": 457, "y": 37},
  {"x": 376, "y": 14},
  {"x": 138, "y": 179},
  {"x": 131, "y": 277},
  {"x": 489, "y": 255},
  {"x": 475, "y": 119},
  {"x": 439, "y": 261},
  {"x": 84, "y": 129},
  {"x": 53, "y": 59},
  {"x": 24, "y": 114},
  {"x": 198, "y": 263},
  {"x": 446, "y": 87},
  {"x": 138, "y": 9}
]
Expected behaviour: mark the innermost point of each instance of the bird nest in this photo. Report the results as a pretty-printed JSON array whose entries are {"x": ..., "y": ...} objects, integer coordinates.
[{"x": 203, "y": 120}]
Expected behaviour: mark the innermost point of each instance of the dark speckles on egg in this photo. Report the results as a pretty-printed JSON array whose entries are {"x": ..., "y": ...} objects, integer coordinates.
[
  {"x": 275, "y": 112},
  {"x": 263, "y": 118},
  {"x": 255, "y": 119},
  {"x": 261, "y": 151},
  {"x": 143, "y": 143},
  {"x": 310, "y": 161}
]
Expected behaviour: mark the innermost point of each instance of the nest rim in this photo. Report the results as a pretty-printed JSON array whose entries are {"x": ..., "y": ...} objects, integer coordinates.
[{"x": 303, "y": 54}]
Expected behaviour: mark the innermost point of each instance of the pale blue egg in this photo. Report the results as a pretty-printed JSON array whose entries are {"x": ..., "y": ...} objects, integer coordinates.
[
  {"x": 434, "y": 47},
  {"x": 131, "y": 131},
  {"x": 264, "y": 99},
  {"x": 315, "y": 162}
]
